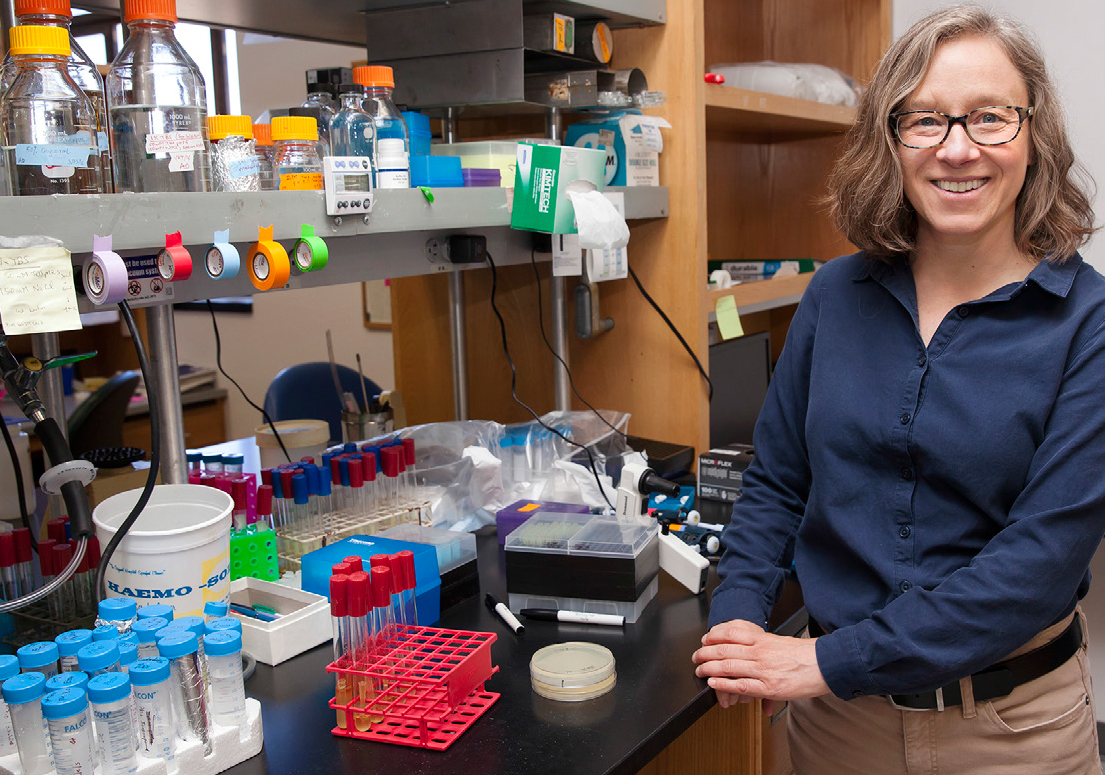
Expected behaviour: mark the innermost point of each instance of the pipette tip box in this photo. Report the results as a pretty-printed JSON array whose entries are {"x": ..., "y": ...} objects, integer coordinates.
[{"x": 509, "y": 518}]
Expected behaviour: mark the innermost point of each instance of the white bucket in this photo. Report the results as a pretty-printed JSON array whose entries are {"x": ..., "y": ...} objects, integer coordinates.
[{"x": 176, "y": 553}]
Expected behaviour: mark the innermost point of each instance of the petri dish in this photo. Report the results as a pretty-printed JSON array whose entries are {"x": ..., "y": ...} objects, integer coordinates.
[{"x": 573, "y": 671}]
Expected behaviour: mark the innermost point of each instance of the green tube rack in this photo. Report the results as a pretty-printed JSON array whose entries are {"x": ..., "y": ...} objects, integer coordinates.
[{"x": 253, "y": 554}]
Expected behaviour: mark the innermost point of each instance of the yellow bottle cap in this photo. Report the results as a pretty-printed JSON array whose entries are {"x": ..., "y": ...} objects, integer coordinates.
[
  {"x": 29, "y": 39},
  {"x": 294, "y": 128},
  {"x": 225, "y": 126}
]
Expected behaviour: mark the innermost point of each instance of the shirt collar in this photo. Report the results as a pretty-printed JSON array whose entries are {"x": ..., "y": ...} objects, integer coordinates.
[{"x": 1055, "y": 278}]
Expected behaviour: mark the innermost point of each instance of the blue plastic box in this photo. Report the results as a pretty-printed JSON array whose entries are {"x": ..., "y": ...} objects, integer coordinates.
[
  {"x": 436, "y": 171},
  {"x": 316, "y": 567}
]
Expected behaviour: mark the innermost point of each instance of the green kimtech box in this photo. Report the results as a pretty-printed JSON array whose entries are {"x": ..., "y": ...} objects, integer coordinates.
[{"x": 541, "y": 182}]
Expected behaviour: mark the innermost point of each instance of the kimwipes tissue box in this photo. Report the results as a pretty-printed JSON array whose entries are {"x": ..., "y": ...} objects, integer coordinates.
[
  {"x": 631, "y": 141},
  {"x": 541, "y": 182}
]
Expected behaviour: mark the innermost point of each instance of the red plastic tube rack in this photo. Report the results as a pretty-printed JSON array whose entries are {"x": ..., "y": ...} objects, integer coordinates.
[{"x": 424, "y": 690}]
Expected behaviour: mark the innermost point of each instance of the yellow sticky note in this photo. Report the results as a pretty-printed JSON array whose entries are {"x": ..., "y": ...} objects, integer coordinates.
[
  {"x": 728, "y": 319},
  {"x": 36, "y": 291}
]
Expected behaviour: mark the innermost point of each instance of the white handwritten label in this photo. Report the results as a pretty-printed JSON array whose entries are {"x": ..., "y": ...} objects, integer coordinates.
[
  {"x": 36, "y": 291},
  {"x": 104, "y": 143},
  {"x": 52, "y": 155},
  {"x": 240, "y": 168},
  {"x": 174, "y": 141},
  {"x": 182, "y": 161}
]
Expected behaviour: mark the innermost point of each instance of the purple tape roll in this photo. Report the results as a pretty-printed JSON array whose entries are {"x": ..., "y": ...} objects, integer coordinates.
[{"x": 105, "y": 274}]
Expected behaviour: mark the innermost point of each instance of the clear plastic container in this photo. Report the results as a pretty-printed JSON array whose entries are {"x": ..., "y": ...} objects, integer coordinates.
[
  {"x": 150, "y": 681},
  {"x": 66, "y": 714},
  {"x": 110, "y": 696},
  {"x": 9, "y": 668},
  {"x": 353, "y": 132},
  {"x": 224, "y": 664},
  {"x": 39, "y": 657},
  {"x": 99, "y": 657},
  {"x": 392, "y": 160},
  {"x": 158, "y": 106},
  {"x": 319, "y": 97},
  {"x": 234, "y": 162},
  {"x": 262, "y": 137},
  {"x": 69, "y": 643},
  {"x": 296, "y": 166},
  {"x": 23, "y": 694},
  {"x": 48, "y": 126},
  {"x": 57, "y": 13}
]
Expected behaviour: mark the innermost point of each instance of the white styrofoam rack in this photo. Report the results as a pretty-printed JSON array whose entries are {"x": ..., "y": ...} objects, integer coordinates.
[
  {"x": 229, "y": 746},
  {"x": 306, "y": 535}
]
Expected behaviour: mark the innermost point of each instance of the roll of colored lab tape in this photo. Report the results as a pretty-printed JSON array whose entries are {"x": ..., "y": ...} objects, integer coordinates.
[
  {"x": 222, "y": 260},
  {"x": 174, "y": 262},
  {"x": 105, "y": 274},
  {"x": 310, "y": 252},
  {"x": 267, "y": 262}
]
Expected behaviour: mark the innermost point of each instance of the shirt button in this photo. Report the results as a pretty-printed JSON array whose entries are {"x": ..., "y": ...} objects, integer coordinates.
[
  {"x": 905, "y": 418},
  {"x": 907, "y": 474},
  {"x": 963, "y": 311},
  {"x": 904, "y": 531},
  {"x": 905, "y": 586},
  {"x": 922, "y": 360}
]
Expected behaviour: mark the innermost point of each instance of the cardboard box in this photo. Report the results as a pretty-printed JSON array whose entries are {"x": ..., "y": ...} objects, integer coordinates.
[
  {"x": 304, "y": 622},
  {"x": 723, "y": 467},
  {"x": 631, "y": 142},
  {"x": 541, "y": 182}
]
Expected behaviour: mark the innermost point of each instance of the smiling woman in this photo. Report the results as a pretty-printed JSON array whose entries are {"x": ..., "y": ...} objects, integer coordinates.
[{"x": 926, "y": 446}]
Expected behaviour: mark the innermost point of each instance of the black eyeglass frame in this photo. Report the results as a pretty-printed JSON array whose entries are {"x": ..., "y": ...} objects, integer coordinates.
[{"x": 1022, "y": 115}]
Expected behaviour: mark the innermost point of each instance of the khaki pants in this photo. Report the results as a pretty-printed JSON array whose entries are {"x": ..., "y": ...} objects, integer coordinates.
[{"x": 1045, "y": 727}]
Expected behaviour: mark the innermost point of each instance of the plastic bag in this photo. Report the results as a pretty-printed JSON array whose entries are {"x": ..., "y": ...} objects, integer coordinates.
[{"x": 818, "y": 83}]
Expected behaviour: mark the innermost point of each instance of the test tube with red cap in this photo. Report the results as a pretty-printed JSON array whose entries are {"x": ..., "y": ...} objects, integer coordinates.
[
  {"x": 8, "y": 582},
  {"x": 356, "y": 487},
  {"x": 388, "y": 561},
  {"x": 92, "y": 550},
  {"x": 389, "y": 461},
  {"x": 82, "y": 597},
  {"x": 339, "y": 620},
  {"x": 23, "y": 571},
  {"x": 383, "y": 623},
  {"x": 337, "y": 491},
  {"x": 398, "y": 611},
  {"x": 358, "y": 607},
  {"x": 67, "y": 604},
  {"x": 368, "y": 468},
  {"x": 325, "y": 496},
  {"x": 406, "y": 568},
  {"x": 264, "y": 506},
  {"x": 55, "y": 529},
  {"x": 239, "y": 491}
]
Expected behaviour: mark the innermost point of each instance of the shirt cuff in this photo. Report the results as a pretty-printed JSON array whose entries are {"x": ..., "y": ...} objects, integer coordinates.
[
  {"x": 838, "y": 658},
  {"x": 737, "y": 603}
]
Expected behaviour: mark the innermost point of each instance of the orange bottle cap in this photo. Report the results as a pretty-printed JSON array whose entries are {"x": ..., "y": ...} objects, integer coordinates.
[
  {"x": 51, "y": 7},
  {"x": 162, "y": 10},
  {"x": 374, "y": 75},
  {"x": 262, "y": 133}
]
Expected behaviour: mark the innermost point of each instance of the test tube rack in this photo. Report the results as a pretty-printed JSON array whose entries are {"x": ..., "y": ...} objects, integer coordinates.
[
  {"x": 423, "y": 691},
  {"x": 306, "y": 535}
]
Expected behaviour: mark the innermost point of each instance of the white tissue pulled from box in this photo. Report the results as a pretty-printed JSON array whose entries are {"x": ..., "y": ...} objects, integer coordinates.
[
  {"x": 609, "y": 263},
  {"x": 817, "y": 83},
  {"x": 598, "y": 221}
]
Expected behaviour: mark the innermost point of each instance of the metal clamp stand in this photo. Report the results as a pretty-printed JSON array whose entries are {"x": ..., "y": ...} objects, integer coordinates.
[{"x": 554, "y": 126}]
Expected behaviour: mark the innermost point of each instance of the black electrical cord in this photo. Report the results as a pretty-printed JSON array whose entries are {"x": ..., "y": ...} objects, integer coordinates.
[
  {"x": 514, "y": 383},
  {"x": 219, "y": 363},
  {"x": 675, "y": 331},
  {"x": 154, "y": 401},
  {"x": 17, "y": 469},
  {"x": 555, "y": 354}
]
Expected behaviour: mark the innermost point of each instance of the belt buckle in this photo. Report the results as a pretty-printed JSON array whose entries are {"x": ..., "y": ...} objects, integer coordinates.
[{"x": 939, "y": 703}]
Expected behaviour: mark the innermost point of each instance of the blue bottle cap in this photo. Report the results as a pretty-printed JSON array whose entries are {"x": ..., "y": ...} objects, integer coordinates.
[
  {"x": 146, "y": 629},
  {"x": 117, "y": 609},
  {"x": 109, "y": 687},
  {"x": 65, "y": 680},
  {"x": 349, "y": 446},
  {"x": 69, "y": 643},
  {"x": 171, "y": 628},
  {"x": 215, "y": 609},
  {"x": 25, "y": 687},
  {"x": 130, "y": 637},
  {"x": 212, "y": 459},
  {"x": 178, "y": 645},
  {"x": 36, "y": 655},
  {"x": 157, "y": 610},
  {"x": 299, "y": 489},
  {"x": 231, "y": 623},
  {"x": 148, "y": 671},
  {"x": 343, "y": 467},
  {"x": 194, "y": 624},
  {"x": 277, "y": 487},
  {"x": 98, "y": 655},
  {"x": 105, "y": 632},
  {"x": 63, "y": 703},
  {"x": 128, "y": 653},
  {"x": 324, "y": 484},
  {"x": 9, "y": 666},
  {"x": 222, "y": 643},
  {"x": 313, "y": 479}
]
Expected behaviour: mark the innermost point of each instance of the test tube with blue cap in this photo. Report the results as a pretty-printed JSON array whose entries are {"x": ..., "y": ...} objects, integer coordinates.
[
  {"x": 105, "y": 632},
  {"x": 66, "y": 714},
  {"x": 325, "y": 496},
  {"x": 23, "y": 696},
  {"x": 191, "y": 714},
  {"x": 69, "y": 643},
  {"x": 215, "y": 609},
  {"x": 9, "y": 668},
  {"x": 213, "y": 463},
  {"x": 74, "y": 679},
  {"x": 233, "y": 463},
  {"x": 146, "y": 630},
  {"x": 300, "y": 500},
  {"x": 99, "y": 657},
  {"x": 157, "y": 610},
  {"x": 128, "y": 655},
  {"x": 224, "y": 665},
  {"x": 120, "y": 612},
  {"x": 113, "y": 711},
  {"x": 150, "y": 681},
  {"x": 222, "y": 623},
  {"x": 39, "y": 657}
]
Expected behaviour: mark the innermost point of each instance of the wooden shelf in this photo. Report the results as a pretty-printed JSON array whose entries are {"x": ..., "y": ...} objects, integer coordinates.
[
  {"x": 740, "y": 111},
  {"x": 762, "y": 295}
]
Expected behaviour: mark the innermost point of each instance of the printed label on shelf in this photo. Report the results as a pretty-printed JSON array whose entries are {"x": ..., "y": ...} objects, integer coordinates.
[
  {"x": 174, "y": 141},
  {"x": 301, "y": 181},
  {"x": 240, "y": 168},
  {"x": 36, "y": 291},
  {"x": 53, "y": 155},
  {"x": 567, "y": 256},
  {"x": 182, "y": 161},
  {"x": 146, "y": 283}
]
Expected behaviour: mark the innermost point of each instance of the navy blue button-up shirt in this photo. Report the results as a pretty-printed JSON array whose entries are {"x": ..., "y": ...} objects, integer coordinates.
[{"x": 942, "y": 503}]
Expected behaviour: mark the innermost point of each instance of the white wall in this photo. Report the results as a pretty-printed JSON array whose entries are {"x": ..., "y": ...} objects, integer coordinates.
[
  {"x": 1070, "y": 33},
  {"x": 286, "y": 327}
]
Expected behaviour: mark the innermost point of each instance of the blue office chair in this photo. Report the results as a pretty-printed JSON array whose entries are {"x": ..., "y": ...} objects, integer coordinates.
[{"x": 306, "y": 391}]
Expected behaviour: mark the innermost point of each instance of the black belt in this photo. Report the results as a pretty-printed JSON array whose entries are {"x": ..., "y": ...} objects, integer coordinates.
[{"x": 1000, "y": 678}]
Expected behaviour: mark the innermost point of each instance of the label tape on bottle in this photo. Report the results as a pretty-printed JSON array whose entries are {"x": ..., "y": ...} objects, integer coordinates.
[
  {"x": 222, "y": 260},
  {"x": 105, "y": 273},
  {"x": 311, "y": 253},
  {"x": 174, "y": 262},
  {"x": 267, "y": 261}
]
